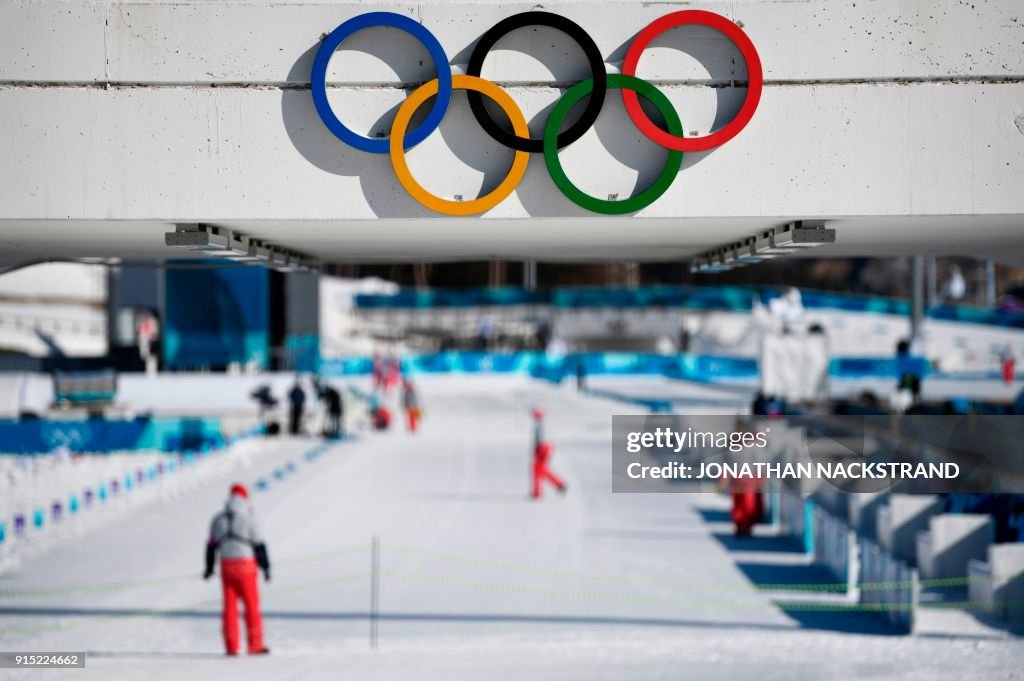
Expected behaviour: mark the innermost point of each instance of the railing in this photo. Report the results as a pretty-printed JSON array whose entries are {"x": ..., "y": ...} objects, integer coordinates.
[
  {"x": 835, "y": 547},
  {"x": 796, "y": 519},
  {"x": 47, "y": 498},
  {"x": 58, "y": 325},
  {"x": 979, "y": 584}
]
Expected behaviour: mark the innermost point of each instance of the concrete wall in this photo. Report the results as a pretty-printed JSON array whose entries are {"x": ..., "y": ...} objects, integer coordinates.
[
  {"x": 164, "y": 111},
  {"x": 899, "y": 522},
  {"x": 952, "y": 542}
]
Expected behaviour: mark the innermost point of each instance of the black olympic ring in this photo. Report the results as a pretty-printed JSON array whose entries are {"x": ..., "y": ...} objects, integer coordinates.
[{"x": 590, "y": 50}]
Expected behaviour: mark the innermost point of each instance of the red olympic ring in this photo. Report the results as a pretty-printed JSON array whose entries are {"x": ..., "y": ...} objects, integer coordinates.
[{"x": 747, "y": 49}]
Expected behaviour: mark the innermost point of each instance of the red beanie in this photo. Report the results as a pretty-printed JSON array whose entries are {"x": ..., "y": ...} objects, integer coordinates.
[
  {"x": 538, "y": 414},
  {"x": 238, "y": 489}
]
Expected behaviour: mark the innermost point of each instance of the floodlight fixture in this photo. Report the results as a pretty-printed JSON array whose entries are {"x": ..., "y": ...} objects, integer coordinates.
[
  {"x": 803, "y": 234},
  {"x": 212, "y": 241},
  {"x": 792, "y": 237}
]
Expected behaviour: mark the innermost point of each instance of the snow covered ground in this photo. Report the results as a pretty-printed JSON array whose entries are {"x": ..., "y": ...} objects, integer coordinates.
[{"x": 476, "y": 581}]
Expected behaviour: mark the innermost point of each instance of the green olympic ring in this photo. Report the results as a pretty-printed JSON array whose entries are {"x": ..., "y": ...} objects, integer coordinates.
[{"x": 574, "y": 193}]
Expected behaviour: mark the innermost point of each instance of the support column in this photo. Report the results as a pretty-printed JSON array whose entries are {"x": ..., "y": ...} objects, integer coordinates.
[
  {"x": 496, "y": 274},
  {"x": 421, "y": 275},
  {"x": 302, "y": 321},
  {"x": 933, "y": 281},
  {"x": 990, "y": 283},
  {"x": 530, "y": 275},
  {"x": 917, "y": 278}
]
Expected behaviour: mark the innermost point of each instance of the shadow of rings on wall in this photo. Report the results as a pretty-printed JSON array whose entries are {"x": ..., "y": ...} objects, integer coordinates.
[{"x": 537, "y": 193}]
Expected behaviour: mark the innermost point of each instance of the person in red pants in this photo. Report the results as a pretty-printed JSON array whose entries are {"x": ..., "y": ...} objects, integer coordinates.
[
  {"x": 411, "y": 404},
  {"x": 747, "y": 505},
  {"x": 235, "y": 535},
  {"x": 1008, "y": 364},
  {"x": 542, "y": 451}
]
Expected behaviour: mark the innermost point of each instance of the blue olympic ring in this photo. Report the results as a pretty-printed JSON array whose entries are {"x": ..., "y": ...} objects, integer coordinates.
[{"x": 391, "y": 20}]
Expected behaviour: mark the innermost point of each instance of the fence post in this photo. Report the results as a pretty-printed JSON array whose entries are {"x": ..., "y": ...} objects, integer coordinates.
[
  {"x": 853, "y": 559},
  {"x": 776, "y": 506},
  {"x": 808, "y": 509},
  {"x": 915, "y": 593},
  {"x": 374, "y": 588}
]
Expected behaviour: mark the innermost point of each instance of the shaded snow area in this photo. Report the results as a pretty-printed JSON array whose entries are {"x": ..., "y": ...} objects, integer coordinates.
[{"x": 476, "y": 581}]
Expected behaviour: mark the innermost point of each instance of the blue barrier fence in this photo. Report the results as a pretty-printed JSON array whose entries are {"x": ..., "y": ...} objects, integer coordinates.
[
  {"x": 730, "y": 298},
  {"x": 701, "y": 368},
  {"x": 104, "y": 436},
  {"x": 39, "y": 516},
  {"x": 539, "y": 365}
]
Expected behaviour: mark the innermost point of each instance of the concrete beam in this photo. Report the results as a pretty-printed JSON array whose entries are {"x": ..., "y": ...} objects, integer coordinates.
[{"x": 257, "y": 42}]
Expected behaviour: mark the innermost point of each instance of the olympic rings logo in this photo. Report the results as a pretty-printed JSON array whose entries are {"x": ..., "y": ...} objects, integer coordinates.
[{"x": 554, "y": 138}]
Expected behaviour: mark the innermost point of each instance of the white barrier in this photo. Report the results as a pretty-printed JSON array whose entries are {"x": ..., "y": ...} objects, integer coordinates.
[
  {"x": 899, "y": 522},
  {"x": 998, "y": 583},
  {"x": 889, "y": 585},
  {"x": 795, "y": 365},
  {"x": 951, "y": 542},
  {"x": 793, "y": 517},
  {"x": 45, "y": 499},
  {"x": 862, "y": 512},
  {"x": 835, "y": 547}
]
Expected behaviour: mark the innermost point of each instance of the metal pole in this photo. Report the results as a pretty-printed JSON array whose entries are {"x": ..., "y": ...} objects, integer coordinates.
[
  {"x": 530, "y": 275},
  {"x": 990, "y": 283},
  {"x": 374, "y": 589},
  {"x": 916, "y": 300},
  {"x": 933, "y": 281}
]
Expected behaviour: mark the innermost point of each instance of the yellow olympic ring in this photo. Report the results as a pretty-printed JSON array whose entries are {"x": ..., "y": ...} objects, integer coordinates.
[{"x": 477, "y": 205}]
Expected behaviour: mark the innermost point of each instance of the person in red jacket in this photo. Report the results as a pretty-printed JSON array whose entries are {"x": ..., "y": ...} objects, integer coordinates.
[
  {"x": 234, "y": 534},
  {"x": 542, "y": 451}
]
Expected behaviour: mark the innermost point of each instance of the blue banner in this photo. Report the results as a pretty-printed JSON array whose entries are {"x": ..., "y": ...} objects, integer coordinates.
[
  {"x": 216, "y": 317},
  {"x": 104, "y": 436}
]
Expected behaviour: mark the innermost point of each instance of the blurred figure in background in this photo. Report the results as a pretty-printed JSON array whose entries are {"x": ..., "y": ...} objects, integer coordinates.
[
  {"x": 380, "y": 415},
  {"x": 378, "y": 371},
  {"x": 542, "y": 451},
  {"x": 747, "y": 505},
  {"x": 297, "y": 405},
  {"x": 955, "y": 287},
  {"x": 335, "y": 410},
  {"x": 267, "y": 407},
  {"x": 235, "y": 535},
  {"x": 746, "y": 491},
  {"x": 1007, "y": 365},
  {"x": 411, "y": 404},
  {"x": 581, "y": 375},
  {"x": 392, "y": 373}
]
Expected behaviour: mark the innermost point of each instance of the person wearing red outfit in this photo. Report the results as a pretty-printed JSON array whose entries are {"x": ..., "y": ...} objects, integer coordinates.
[
  {"x": 411, "y": 404},
  {"x": 747, "y": 505},
  {"x": 542, "y": 451},
  {"x": 235, "y": 535}
]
